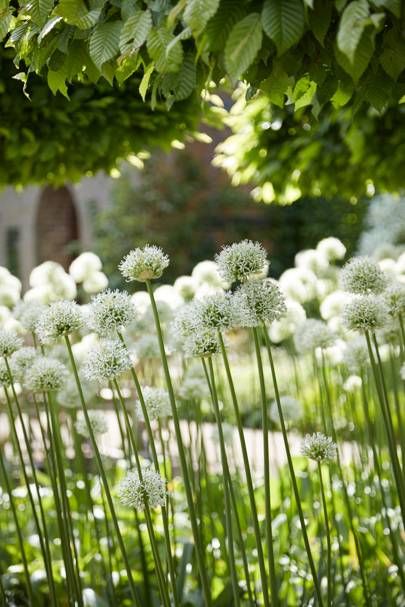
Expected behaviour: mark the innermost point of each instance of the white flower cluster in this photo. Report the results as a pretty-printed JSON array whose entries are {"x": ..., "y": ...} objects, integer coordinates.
[
  {"x": 258, "y": 301},
  {"x": 86, "y": 269},
  {"x": 45, "y": 375},
  {"x": 242, "y": 261},
  {"x": 134, "y": 492},
  {"x": 22, "y": 360},
  {"x": 312, "y": 334},
  {"x": 142, "y": 264},
  {"x": 366, "y": 313},
  {"x": 98, "y": 423},
  {"x": 49, "y": 282},
  {"x": 59, "y": 319},
  {"x": 319, "y": 447},
  {"x": 157, "y": 403},
  {"x": 111, "y": 311},
  {"x": 362, "y": 276},
  {"x": 10, "y": 288},
  {"x": 395, "y": 299},
  {"x": 9, "y": 343},
  {"x": 106, "y": 361},
  {"x": 28, "y": 314}
]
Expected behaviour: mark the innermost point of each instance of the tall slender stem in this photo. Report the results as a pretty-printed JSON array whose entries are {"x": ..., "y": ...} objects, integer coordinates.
[{"x": 328, "y": 540}]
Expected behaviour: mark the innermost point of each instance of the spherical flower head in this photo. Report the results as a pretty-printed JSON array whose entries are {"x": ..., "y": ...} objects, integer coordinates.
[
  {"x": 366, "y": 313},
  {"x": 319, "y": 447},
  {"x": 186, "y": 286},
  {"x": 394, "y": 297},
  {"x": 111, "y": 311},
  {"x": 242, "y": 260},
  {"x": 142, "y": 264},
  {"x": 46, "y": 375},
  {"x": 259, "y": 301},
  {"x": 95, "y": 283},
  {"x": 312, "y": 259},
  {"x": 157, "y": 403},
  {"x": 332, "y": 248},
  {"x": 84, "y": 266},
  {"x": 356, "y": 355},
  {"x": 333, "y": 304},
  {"x": 5, "y": 379},
  {"x": 28, "y": 314},
  {"x": 215, "y": 312},
  {"x": 134, "y": 492},
  {"x": 202, "y": 343},
  {"x": 59, "y": 319},
  {"x": 147, "y": 347},
  {"x": 362, "y": 275},
  {"x": 9, "y": 343},
  {"x": 206, "y": 273},
  {"x": 352, "y": 383},
  {"x": 312, "y": 334},
  {"x": 193, "y": 389},
  {"x": 107, "y": 361},
  {"x": 22, "y": 360},
  {"x": 98, "y": 424}
]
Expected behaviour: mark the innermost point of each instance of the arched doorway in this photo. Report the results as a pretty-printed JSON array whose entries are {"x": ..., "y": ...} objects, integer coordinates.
[{"x": 56, "y": 226}]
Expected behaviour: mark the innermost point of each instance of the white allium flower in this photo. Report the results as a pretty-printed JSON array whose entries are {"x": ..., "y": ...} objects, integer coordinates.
[
  {"x": 394, "y": 297},
  {"x": 241, "y": 261},
  {"x": 84, "y": 266},
  {"x": 332, "y": 248},
  {"x": 284, "y": 328},
  {"x": 169, "y": 296},
  {"x": 366, "y": 313},
  {"x": 185, "y": 321},
  {"x": 157, "y": 403},
  {"x": 146, "y": 347},
  {"x": 313, "y": 334},
  {"x": 352, "y": 383},
  {"x": 258, "y": 301},
  {"x": 203, "y": 342},
  {"x": 98, "y": 423},
  {"x": 10, "y": 288},
  {"x": 46, "y": 375},
  {"x": 319, "y": 447},
  {"x": 108, "y": 360},
  {"x": 9, "y": 342},
  {"x": 68, "y": 395},
  {"x": 22, "y": 360},
  {"x": 186, "y": 286},
  {"x": 134, "y": 492},
  {"x": 214, "y": 312},
  {"x": 333, "y": 304},
  {"x": 299, "y": 284},
  {"x": 290, "y": 407},
  {"x": 51, "y": 283},
  {"x": 362, "y": 275},
  {"x": 111, "y": 311},
  {"x": 356, "y": 355},
  {"x": 28, "y": 314},
  {"x": 5, "y": 379},
  {"x": 207, "y": 273},
  {"x": 59, "y": 319},
  {"x": 142, "y": 264},
  {"x": 312, "y": 259},
  {"x": 193, "y": 389},
  {"x": 402, "y": 372},
  {"x": 95, "y": 283}
]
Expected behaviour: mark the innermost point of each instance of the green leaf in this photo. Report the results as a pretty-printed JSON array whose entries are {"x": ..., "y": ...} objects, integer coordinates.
[
  {"x": 394, "y": 6},
  {"x": 75, "y": 12},
  {"x": 182, "y": 83},
  {"x": 135, "y": 30},
  {"x": 275, "y": 86},
  {"x": 39, "y": 10},
  {"x": 243, "y": 44},
  {"x": 221, "y": 24},
  {"x": 351, "y": 27},
  {"x": 199, "y": 12},
  {"x": 393, "y": 56},
  {"x": 5, "y": 21},
  {"x": 303, "y": 92},
  {"x": 283, "y": 22},
  {"x": 104, "y": 42},
  {"x": 319, "y": 19},
  {"x": 157, "y": 43},
  {"x": 56, "y": 82},
  {"x": 364, "y": 52},
  {"x": 48, "y": 27},
  {"x": 143, "y": 87}
]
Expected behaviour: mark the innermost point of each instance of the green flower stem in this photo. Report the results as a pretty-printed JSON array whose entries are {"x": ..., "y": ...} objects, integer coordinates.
[
  {"x": 402, "y": 331},
  {"x": 328, "y": 539},
  {"x": 152, "y": 445},
  {"x": 42, "y": 532},
  {"x": 182, "y": 456},
  {"x": 227, "y": 481},
  {"x": 249, "y": 481},
  {"x": 266, "y": 467},
  {"x": 18, "y": 530},
  {"x": 292, "y": 474},
  {"x": 134, "y": 592},
  {"x": 148, "y": 517}
]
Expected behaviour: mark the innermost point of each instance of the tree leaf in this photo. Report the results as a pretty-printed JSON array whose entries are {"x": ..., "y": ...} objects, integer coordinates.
[
  {"x": 104, "y": 42},
  {"x": 56, "y": 82},
  {"x": 364, "y": 52},
  {"x": 303, "y": 92},
  {"x": 394, "y": 6},
  {"x": 157, "y": 43},
  {"x": 182, "y": 83},
  {"x": 320, "y": 18},
  {"x": 48, "y": 27},
  {"x": 275, "y": 86},
  {"x": 39, "y": 10},
  {"x": 221, "y": 24},
  {"x": 243, "y": 44},
  {"x": 75, "y": 12},
  {"x": 351, "y": 27},
  {"x": 143, "y": 87},
  {"x": 199, "y": 12},
  {"x": 135, "y": 30},
  {"x": 392, "y": 58},
  {"x": 5, "y": 21},
  {"x": 283, "y": 22}
]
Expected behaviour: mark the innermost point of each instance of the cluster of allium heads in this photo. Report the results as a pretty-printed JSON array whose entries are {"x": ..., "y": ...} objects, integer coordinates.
[
  {"x": 215, "y": 312},
  {"x": 362, "y": 276},
  {"x": 312, "y": 334},
  {"x": 258, "y": 301},
  {"x": 111, "y": 311},
  {"x": 394, "y": 297},
  {"x": 143, "y": 264},
  {"x": 366, "y": 313},
  {"x": 46, "y": 375},
  {"x": 134, "y": 491},
  {"x": 59, "y": 319},
  {"x": 157, "y": 403},
  {"x": 28, "y": 314},
  {"x": 108, "y": 360},
  {"x": 22, "y": 360},
  {"x": 201, "y": 343},
  {"x": 9, "y": 343},
  {"x": 319, "y": 447},
  {"x": 98, "y": 424},
  {"x": 242, "y": 261}
]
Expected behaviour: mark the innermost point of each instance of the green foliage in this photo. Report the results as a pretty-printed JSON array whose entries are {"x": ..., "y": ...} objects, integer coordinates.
[
  {"x": 326, "y": 45},
  {"x": 47, "y": 138},
  {"x": 286, "y": 154}
]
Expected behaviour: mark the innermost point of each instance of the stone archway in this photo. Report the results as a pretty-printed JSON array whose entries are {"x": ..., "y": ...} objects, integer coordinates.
[{"x": 57, "y": 225}]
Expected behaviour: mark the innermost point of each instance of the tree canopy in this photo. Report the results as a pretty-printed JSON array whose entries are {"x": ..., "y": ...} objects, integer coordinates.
[{"x": 150, "y": 55}]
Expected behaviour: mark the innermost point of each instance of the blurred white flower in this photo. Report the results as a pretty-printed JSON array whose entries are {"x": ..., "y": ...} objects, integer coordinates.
[
  {"x": 10, "y": 288},
  {"x": 168, "y": 295},
  {"x": 85, "y": 266},
  {"x": 332, "y": 248},
  {"x": 312, "y": 259},
  {"x": 95, "y": 283},
  {"x": 299, "y": 284},
  {"x": 284, "y": 328},
  {"x": 49, "y": 283},
  {"x": 333, "y": 304},
  {"x": 98, "y": 423},
  {"x": 207, "y": 272},
  {"x": 352, "y": 383},
  {"x": 312, "y": 334},
  {"x": 186, "y": 287},
  {"x": 290, "y": 407}
]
